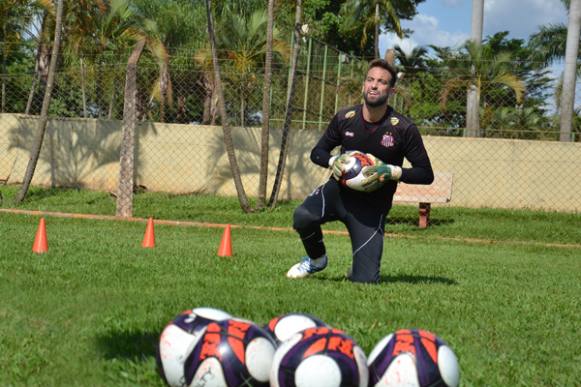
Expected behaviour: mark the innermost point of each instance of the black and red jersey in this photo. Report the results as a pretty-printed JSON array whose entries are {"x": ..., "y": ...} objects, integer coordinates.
[{"x": 390, "y": 139}]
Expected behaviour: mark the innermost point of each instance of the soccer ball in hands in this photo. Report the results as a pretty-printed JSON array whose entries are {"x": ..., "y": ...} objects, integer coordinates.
[
  {"x": 283, "y": 327},
  {"x": 353, "y": 175},
  {"x": 230, "y": 353},
  {"x": 413, "y": 358},
  {"x": 321, "y": 357}
]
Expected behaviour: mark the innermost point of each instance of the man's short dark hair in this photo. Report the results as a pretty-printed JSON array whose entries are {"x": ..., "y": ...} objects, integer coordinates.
[{"x": 385, "y": 65}]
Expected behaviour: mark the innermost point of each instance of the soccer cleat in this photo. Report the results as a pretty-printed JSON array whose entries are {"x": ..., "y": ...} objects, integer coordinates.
[{"x": 305, "y": 268}]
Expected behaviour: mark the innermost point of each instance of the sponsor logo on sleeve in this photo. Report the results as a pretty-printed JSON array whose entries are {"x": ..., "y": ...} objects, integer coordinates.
[
  {"x": 394, "y": 121},
  {"x": 350, "y": 114}
]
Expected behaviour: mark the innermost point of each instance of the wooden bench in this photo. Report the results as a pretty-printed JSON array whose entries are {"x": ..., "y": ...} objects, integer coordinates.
[{"x": 440, "y": 191}]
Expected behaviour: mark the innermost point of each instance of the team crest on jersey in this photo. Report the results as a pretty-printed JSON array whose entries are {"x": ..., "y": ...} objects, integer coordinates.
[
  {"x": 350, "y": 114},
  {"x": 349, "y": 134},
  {"x": 394, "y": 121},
  {"x": 387, "y": 140}
]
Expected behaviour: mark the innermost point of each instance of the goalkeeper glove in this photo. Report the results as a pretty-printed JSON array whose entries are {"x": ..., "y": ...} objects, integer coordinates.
[
  {"x": 377, "y": 174},
  {"x": 337, "y": 164}
]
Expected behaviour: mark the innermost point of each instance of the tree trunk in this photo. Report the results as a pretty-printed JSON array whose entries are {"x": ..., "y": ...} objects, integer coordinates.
[
  {"x": 41, "y": 66},
  {"x": 376, "y": 32},
  {"x": 287, "y": 119},
  {"x": 473, "y": 97},
  {"x": 37, "y": 144},
  {"x": 83, "y": 91},
  {"x": 228, "y": 142},
  {"x": 569, "y": 75},
  {"x": 264, "y": 134},
  {"x": 126, "y": 163}
]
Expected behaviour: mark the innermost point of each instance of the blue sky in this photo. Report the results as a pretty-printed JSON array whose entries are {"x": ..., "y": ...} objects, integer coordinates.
[{"x": 448, "y": 23}]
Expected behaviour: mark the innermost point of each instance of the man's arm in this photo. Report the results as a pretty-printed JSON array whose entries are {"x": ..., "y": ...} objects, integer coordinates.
[
  {"x": 321, "y": 153},
  {"x": 421, "y": 171}
]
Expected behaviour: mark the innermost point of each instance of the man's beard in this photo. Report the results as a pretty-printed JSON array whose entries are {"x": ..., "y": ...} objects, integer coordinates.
[{"x": 378, "y": 102}]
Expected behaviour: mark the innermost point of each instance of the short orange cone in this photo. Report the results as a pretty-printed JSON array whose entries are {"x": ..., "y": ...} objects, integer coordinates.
[
  {"x": 225, "y": 249},
  {"x": 40, "y": 245},
  {"x": 149, "y": 237}
]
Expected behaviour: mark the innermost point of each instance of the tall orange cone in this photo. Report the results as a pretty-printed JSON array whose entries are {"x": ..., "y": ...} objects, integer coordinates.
[
  {"x": 149, "y": 237},
  {"x": 225, "y": 249},
  {"x": 40, "y": 245}
]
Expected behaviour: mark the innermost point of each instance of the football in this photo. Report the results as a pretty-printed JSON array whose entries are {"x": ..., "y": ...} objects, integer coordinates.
[
  {"x": 322, "y": 357},
  {"x": 177, "y": 339},
  {"x": 412, "y": 357},
  {"x": 283, "y": 327},
  {"x": 352, "y": 175},
  {"x": 230, "y": 353}
]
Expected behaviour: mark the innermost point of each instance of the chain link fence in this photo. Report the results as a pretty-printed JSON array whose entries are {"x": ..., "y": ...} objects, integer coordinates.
[{"x": 516, "y": 162}]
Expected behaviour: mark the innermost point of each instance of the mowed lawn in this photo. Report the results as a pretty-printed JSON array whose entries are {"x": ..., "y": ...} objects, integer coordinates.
[{"x": 89, "y": 312}]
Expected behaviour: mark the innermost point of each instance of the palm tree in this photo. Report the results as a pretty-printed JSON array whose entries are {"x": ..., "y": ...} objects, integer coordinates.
[
  {"x": 553, "y": 43},
  {"x": 374, "y": 13},
  {"x": 481, "y": 70},
  {"x": 472, "y": 94},
  {"x": 412, "y": 62},
  {"x": 132, "y": 27},
  {"x": 243, "y": 42},
  {"x": 569, "y": 75},
  {"x": 15, "y": 15},
  {"x": 264, "y": 149},
  {"x": 37, "y": 145},
  {"x": 288, "y": 114},
  {"x": 242, "y": 198}
]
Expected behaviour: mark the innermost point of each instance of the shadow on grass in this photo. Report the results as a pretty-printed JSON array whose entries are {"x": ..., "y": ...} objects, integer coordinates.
[
  {"x": 402, "y": 278},
  {"x": 418, "y": 279},
  {"x": 128, "y": 345},
  {"x": 413, "y": 221}
]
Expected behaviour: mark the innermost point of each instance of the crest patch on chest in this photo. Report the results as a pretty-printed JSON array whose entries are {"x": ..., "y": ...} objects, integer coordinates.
[{"x": 387, "y": 140}]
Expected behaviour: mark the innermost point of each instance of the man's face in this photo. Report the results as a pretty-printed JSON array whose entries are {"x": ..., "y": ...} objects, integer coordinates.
[{"x": 376, "y": 87}]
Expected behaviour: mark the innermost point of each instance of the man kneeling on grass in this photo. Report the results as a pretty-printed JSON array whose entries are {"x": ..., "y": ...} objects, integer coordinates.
[{"x": 372, "y": 127}]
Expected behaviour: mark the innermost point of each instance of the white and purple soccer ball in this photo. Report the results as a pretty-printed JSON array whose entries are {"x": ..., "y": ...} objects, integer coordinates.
[
  {"x": 230, "y": 353},
  {"x": 322, "y": 357},
  {"x": 179, "y": 337},
  {"x": 353, "y": 175},
  {"x": 283, "y": 327},
  {"x": 413, "y": 358}
]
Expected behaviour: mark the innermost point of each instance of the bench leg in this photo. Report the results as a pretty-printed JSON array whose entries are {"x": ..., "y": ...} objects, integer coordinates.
[{"x": 424, "y": 215}]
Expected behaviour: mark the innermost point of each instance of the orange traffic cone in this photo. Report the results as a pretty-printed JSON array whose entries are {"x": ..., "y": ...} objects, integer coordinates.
[
  {"x": 225, "y": 249},
  {"x": 40, "y": 245},
  {"x": 149, "y": 237}
]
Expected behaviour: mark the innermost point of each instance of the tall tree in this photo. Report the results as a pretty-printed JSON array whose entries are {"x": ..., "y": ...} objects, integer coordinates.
[
  {"x": 481, "y": 69},
  {"x": 227, "y": 130},
  {"x": 42, "y": 122},
  {"x": 143, "y": 32},
  {"x": 569, "y": 75},
  {"x": 298, "y": 30},
  {"x": 374, "y": 13},
  {"x": 265, "y": 132},
  {"x": 473, "y": 96}
]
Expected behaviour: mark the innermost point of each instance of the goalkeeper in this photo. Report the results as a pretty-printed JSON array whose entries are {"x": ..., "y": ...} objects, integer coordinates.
[{"x": 372, "y": 127}]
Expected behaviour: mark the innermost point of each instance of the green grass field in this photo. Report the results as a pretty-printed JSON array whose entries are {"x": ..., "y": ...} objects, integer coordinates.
[{"x": 501, "y": 287}]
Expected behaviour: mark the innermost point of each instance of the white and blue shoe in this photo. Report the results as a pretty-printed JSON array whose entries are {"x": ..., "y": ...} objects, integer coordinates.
[{"x": 306, "y": 267}]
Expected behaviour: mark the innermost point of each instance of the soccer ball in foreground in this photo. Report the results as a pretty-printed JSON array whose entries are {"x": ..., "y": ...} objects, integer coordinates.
[
  {"x": 230, "y": 353},
  {"x": 352, "y": 176},
  {"x": 177, "y": 339},
  {"x": 413, "y": 357},
  {"x": 283, "y": 327},
  {"x": 321, "y": 357}
]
